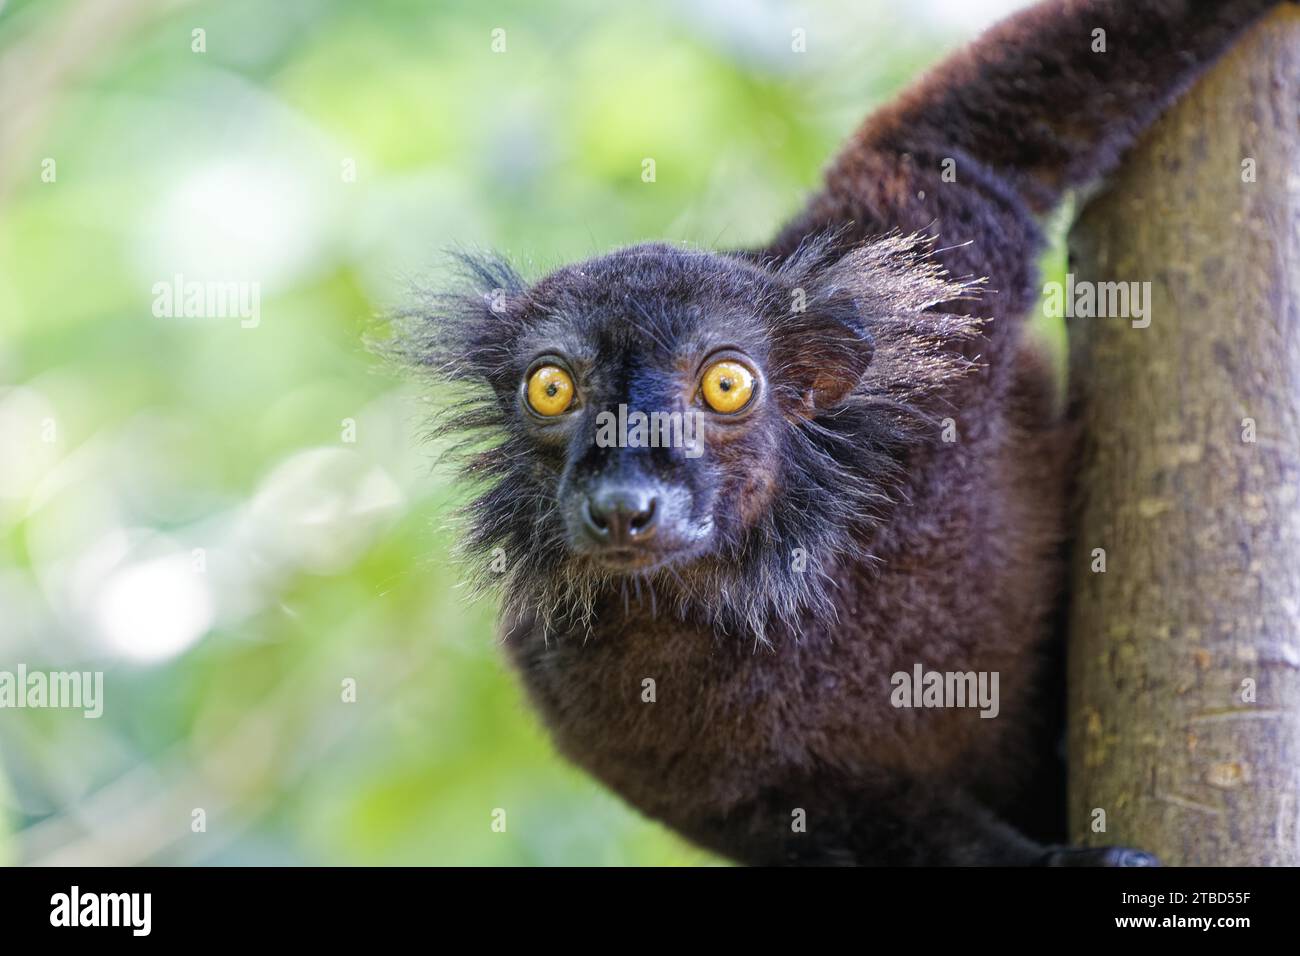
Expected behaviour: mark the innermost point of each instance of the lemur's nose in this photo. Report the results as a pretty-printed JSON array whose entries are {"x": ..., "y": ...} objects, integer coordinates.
[{"x": 620, "y": 515}]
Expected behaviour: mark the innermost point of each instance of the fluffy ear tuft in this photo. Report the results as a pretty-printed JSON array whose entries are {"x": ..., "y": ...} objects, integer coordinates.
[
  {"x": 462, "y": 333},
  {"x": 842, "y": 302}
]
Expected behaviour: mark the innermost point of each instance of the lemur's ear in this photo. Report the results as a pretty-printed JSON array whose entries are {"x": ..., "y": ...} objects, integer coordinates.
[
  {"x": 843, "y": 302},
  {"x": 821, "y": 354},
  {"x": 823, "y": 346}
]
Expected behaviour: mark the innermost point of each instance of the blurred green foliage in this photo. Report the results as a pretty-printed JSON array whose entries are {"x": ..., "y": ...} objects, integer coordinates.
[{"x": 181, "y": 505}]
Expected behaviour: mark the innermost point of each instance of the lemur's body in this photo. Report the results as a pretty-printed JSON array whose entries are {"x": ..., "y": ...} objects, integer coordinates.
[{"x": 772, "y": 690}]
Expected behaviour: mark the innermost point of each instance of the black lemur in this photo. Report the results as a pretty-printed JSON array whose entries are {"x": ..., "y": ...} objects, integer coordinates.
[{"x": 878, "y": 479}]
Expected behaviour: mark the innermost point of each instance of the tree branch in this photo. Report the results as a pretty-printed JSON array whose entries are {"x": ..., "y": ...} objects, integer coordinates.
[{"x": 1185, "y": 651}]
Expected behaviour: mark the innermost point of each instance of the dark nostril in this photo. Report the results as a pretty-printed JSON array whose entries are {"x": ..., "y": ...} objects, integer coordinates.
[
  {"x": 594, "y": 519},
  {"x": 643, "y": 518}
]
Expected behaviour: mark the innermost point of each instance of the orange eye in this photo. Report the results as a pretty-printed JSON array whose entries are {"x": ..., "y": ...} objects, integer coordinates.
[
  {"x": 550, "y": 390},
  {"x": 727, "y": 386}
]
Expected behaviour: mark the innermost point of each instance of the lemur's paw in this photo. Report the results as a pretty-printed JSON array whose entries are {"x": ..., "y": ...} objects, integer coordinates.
[{"x": 1098, "y": 856}]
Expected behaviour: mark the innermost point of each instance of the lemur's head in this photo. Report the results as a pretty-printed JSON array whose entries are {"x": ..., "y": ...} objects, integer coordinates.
[{"x": 720, "y": 428}]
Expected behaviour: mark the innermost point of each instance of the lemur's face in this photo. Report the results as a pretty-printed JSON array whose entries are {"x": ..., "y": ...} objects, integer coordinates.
[
  {"x": 655, "y": 402},
  {"x": 715, "y": 425}
]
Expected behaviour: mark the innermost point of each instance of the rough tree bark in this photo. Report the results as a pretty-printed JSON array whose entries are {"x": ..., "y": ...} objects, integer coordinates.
[{"x": 1185, "y": 653}]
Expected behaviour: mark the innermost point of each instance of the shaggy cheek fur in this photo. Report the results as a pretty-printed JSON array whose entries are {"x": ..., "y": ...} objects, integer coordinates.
[
  {"x": 746, "y": 459},
  {"x": 749, "y": 491},
  {"x": 755, "y": 497}
]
